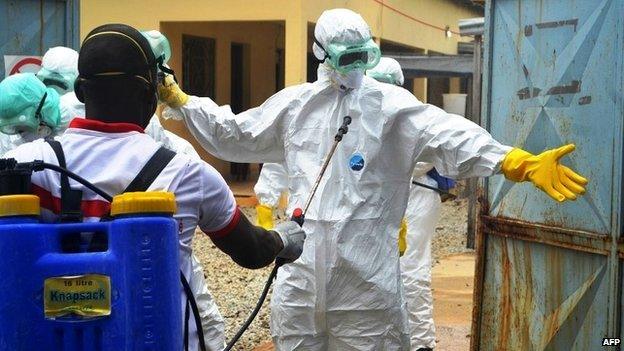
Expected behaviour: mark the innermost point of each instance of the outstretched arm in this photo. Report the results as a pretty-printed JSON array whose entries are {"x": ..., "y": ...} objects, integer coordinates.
[
  {"x": 251, "y": 136},
  {"x": 460, "y": 149},
  {"x": 219, "y": 217}
]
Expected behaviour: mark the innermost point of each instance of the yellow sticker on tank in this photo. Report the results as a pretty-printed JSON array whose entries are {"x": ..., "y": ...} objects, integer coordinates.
[{"x": 83, "y": 295}]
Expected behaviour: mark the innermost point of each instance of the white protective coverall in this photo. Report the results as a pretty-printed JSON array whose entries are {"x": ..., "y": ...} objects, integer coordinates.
[
  {"x": 422, "y": 215},
  {"x": 212, "y": 321},
  {"x": 345, "y": 291}
]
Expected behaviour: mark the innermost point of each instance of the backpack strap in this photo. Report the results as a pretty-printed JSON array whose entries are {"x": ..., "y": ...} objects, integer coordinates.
[
  {"x": 151, "y": 170},
  {"x": 141, "y": 182},
  {"x": 70, "y": 198}
]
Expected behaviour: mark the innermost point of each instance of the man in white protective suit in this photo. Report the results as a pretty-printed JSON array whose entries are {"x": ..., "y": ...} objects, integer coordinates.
[
  {"x": 59, "y": 71},
  {"x": 345, "y": 291},
  {"x": 273, "y": 179}
]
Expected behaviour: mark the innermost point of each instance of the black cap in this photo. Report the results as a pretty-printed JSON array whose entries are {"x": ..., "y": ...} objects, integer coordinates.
[{"x": 116, "y": 49}]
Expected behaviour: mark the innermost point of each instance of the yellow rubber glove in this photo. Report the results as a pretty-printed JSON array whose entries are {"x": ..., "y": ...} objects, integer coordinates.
[
  {"x": 170, "y": 93},
  {"x": 545, "y": 172},
  {"x": 403, "y": 237},
  {"x": 265, "y": 216}
]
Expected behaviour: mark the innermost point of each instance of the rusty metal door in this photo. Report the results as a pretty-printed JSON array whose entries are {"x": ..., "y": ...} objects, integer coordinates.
[{"x": 548, "y": 275}]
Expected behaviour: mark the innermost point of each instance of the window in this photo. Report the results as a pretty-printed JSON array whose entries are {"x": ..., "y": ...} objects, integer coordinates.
[{"x": 198, "y": 66}]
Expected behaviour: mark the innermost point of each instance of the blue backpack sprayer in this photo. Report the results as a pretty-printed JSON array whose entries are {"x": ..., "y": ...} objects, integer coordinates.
[{"x": 62, "y": 292}]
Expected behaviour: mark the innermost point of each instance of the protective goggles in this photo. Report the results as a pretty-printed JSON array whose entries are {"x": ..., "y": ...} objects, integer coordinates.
[
  {"x": 345, "y": 58},
  {"x": 24, "y": 121},
  {"x": 61, "y": 82}
]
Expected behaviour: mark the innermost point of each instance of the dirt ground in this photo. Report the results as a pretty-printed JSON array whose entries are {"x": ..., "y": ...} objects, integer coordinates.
[
  {"x": 237, "y": 291},
  {"x": 452, "y": 284}
]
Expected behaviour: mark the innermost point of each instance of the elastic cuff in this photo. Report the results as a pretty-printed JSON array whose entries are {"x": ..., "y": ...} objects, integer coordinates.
[{"x": 225, "y": 231}]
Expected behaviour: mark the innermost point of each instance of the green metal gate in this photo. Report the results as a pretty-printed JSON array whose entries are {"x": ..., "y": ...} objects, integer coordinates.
[{"x": 548, "y": 275}]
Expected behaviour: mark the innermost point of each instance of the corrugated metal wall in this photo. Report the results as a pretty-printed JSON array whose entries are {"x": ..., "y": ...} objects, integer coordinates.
[
  {"x": 30, "y": 27},
  {"x": 548, "y": 274}
]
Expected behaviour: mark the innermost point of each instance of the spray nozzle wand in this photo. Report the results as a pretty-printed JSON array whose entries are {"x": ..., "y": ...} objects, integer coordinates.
[{"x": 299, "y": 214}]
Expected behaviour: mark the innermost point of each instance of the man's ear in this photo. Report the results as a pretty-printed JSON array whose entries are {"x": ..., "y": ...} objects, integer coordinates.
[{"x": 78, "y": 85}]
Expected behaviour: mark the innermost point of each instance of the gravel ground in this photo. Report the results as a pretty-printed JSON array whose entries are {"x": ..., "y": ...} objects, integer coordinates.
[{"x": 236, "y": 290}]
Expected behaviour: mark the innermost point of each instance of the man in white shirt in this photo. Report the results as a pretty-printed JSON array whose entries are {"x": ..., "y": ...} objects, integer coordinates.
[{"x": 117, "y": 83}]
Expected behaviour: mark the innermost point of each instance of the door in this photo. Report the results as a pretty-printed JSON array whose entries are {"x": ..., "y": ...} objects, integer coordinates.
[{"x": 548, "y": 274}]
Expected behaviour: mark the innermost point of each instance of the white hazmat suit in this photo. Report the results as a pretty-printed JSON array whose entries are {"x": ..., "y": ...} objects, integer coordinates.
[
  {"x": 59, "y": 69},
  {"x": 345, "y": 292},
  {"x": 273, "y": 180},
  {"x": 422, "y": 215}
]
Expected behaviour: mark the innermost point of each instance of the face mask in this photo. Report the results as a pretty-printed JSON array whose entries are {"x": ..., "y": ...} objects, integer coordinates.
[
  {"x": 349, "y": 80},
  {"x": 161, "y": 49}
]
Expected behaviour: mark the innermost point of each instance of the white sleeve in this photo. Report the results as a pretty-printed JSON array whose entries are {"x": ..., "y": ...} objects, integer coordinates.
[
  {"x": 457, "y": 147},
  {"x": 253, "y": 136},
  {"x": 217, "y": 208},
  {"x": 272, "y": 182}
]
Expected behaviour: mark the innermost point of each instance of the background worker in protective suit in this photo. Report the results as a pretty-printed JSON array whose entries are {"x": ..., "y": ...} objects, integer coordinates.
[
  {"x": 345, "y": 291},
  {"x": 272, "y": 182},
  {"x": 118, "y": 84},
  {"x": 417, "y": 229},
  {"x": 28, "y": 110},
  {"x": 59, "y": 71},
  {"x": 421, "y": 216},
  {"x": 388, "y": 70}
]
